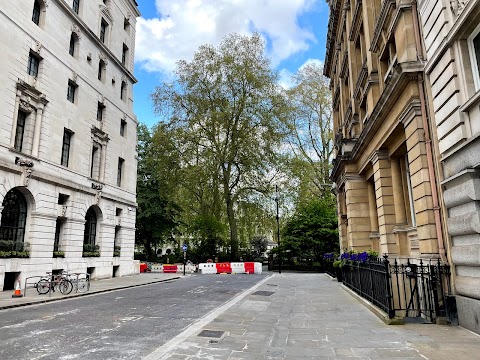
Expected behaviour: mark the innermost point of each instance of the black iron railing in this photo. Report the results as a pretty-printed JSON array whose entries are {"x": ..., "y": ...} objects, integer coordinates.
[{"x": 404, "y": 290}]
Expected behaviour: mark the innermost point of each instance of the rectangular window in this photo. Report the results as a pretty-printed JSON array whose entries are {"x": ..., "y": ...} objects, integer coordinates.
[
  {"x": 123, "y": 125},
  {"x": 124, "y": 55},
  {"x": 123, "y": 91},
  {"x": 473, "y": 42},
  {"x": 103, "y": 30},
  {"x": 119, "y": 173},
  {"x": 22, "y": 116},
  {"x": 67, "y": 137},
  {"x": 100, "y": 110},
  {"x": 58, "y": 227},
  {"x": 36, "y": 13},
  {"x": 72, "y": 87},
  {"x": 76, "y": 6},
  {"x": 33, "y": 63},
  {"x": 71, "y": 49},
  {"x": 95, "y": 166}
]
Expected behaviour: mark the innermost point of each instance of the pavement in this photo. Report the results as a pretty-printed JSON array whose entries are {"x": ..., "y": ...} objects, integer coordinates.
[{"x": 291, "y": 316}]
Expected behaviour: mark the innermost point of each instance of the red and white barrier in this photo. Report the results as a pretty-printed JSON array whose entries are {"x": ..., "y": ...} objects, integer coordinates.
[{"x": 230, "y": 268}]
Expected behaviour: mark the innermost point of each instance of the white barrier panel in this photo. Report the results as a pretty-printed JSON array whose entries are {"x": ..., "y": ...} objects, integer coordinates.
[
  {"x": 238, "y": 267},
  {"x": 258, "y": 268},
  {"x": 156, "y": 268},
  {"x": 189, "y": 269},
  {"x": 207, "y": 268}
]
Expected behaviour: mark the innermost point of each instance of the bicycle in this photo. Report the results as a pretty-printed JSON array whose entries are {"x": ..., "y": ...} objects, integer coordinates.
[
  {"x": 51, "y": 282},
  {"x": 80, "y": 284}
]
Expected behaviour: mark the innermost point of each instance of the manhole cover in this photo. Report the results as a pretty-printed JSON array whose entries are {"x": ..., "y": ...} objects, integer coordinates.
[
  {"x": 211, "y": 333},
  {"x": 263, "y": 293}
]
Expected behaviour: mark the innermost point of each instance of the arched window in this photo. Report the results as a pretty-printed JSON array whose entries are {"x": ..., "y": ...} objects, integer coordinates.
[
  {"x": 36, "y": 12},
  {"x": 90, "y": 227},
  {"x": 14, "y": 217}
]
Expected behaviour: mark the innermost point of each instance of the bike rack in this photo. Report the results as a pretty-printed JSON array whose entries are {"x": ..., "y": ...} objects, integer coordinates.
[{"x": 27, "y": 282}]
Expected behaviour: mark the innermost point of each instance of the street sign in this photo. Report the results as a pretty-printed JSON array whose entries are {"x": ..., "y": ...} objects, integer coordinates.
[{"x": 184, "y": 247}]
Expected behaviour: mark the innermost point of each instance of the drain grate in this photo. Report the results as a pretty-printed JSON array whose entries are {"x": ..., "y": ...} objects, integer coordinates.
[
  {"x": 263, "y": 293},
  {"x": 272, "y": 285},
  {"x": 211, "y": 333}
]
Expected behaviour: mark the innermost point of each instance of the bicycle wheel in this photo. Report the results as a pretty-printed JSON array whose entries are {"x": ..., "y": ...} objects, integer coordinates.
[
  {"x": 43, "y": 286},
  {"x": 83, "y": 285},
  {"x": 65, "y": 287}
]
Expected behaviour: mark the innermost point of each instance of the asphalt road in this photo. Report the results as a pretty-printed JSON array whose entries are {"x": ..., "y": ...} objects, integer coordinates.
[{"x": 124, "y": 324}]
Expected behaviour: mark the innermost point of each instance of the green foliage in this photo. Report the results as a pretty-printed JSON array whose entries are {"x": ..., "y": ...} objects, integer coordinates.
[
  {"x": 312, "y": 231},
  {"x": 337, "y": 263},
  {"x": 91, "y": 250},
  {"x": 58, "y": 254},
  {"x": 157, "y": 212},
  {"x": 209, "y": 236},
  {"x": 225, "y": 105},
  {"x": 258, "y": 246}
]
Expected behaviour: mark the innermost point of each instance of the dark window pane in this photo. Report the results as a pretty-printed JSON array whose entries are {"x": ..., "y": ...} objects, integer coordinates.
[
  {"x": 36, "y": 12},
  {"x": 14, "y": 215},
  {"x": 103, "y": 30},
  {"x": 76, "y": 5},
  {"x": 476, "y": 45},
  {"x": 90, "y": 227},
  {"x": 22, "y": 116},
  {"x": 33, "y": 63},
  {"x": 57, "y": 234},
  {"x": 71, "y": 92},
  {"x": 67, "y": 136},
  {"x": 119, "y": 172},
  {"x": 71, "y": 49},
  {"x": 123, "y": 124}
]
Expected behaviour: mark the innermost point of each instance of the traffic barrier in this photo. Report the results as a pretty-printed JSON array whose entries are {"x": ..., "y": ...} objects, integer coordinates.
[
  {"x": 237, "y": 268},
  {"x": 207, "y": 268},
  {"x": 156, "y": 268},
  {"x": 249, "y": 267},
  {"x": 258, "y": 268},
  {"x": 223, "y": 268},
  {"x": 188, "y": 268},
  {"x": 169, "y": 268},
  {"x": 143, "y": 267}
]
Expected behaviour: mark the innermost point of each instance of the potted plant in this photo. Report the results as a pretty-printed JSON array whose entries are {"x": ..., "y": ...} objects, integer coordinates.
[
  {"x": 58, "y": 254},
  {"x": 337, "y": 264}
]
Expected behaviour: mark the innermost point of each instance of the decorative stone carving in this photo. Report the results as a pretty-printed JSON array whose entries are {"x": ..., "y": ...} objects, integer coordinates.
[
  {"x": 74, "y": 76},
  {"x": 97, "y": 186},
  {"x": 26, "y": 176},
  {"x": 25, "y": 105},
  {"x": 64, "y": 210},
  {"x": 76, "y": 30},
  {"x": 124, "y": 78},
  {"x": 125, "y": 116},
  {"x": 98, "y": 197},
  {"x": 103, "y": 100},
  {"x": 458, "y": 6},
  {"x": 104, "y": 58},
  {"x": 24, "y": 162},
  {"x": 38, "y": 46}
]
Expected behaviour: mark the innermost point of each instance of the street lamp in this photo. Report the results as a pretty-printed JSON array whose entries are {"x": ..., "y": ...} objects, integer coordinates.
[{"x": 278, "y": 233}]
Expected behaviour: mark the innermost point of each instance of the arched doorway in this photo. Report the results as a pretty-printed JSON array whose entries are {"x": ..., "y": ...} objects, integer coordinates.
[{"x": 14, "y": 219}]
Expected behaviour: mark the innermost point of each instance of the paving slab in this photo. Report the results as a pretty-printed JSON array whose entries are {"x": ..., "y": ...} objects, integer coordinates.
[{"x": 309, "y": 316}]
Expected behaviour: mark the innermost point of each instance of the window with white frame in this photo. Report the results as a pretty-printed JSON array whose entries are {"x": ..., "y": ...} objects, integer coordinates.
[{"x": 474, "y": 50}]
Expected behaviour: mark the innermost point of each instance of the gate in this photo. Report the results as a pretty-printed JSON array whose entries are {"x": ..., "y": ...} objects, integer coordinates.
[{"x": 405, "y": 290}]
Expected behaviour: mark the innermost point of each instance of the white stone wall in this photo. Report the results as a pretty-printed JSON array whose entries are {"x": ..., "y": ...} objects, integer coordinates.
[
  {"x": 50, "y": 113},
  {"x": 446, "y": 28}
]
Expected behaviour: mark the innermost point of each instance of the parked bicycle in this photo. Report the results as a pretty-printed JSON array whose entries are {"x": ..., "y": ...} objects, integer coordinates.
[
  {"x": 52, "y": 282},
  {"x": 80, "y": 281}
]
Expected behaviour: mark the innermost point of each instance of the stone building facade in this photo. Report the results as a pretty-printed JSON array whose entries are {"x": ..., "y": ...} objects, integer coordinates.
[
  {"x": 384, "y": 166},
  {"x": 67, "y": 138},
  {"x": 452, "y": 42}
]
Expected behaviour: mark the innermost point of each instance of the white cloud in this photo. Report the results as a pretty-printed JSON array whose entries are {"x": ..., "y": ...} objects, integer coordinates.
[
  {"x": 285, "y": 75},
  {"x": 184, "y": 25}
]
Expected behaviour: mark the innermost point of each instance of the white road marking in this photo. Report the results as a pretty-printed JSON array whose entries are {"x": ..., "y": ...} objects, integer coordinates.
[{"x": 200, "y": 323}]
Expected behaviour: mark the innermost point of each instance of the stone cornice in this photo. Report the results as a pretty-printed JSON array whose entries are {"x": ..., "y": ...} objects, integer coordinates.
[
  {"x": 335, "y": 6},
  {"x": 378, "y": 155}
]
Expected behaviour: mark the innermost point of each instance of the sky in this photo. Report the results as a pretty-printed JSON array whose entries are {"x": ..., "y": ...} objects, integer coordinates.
[{"x": 171, "y": 30}]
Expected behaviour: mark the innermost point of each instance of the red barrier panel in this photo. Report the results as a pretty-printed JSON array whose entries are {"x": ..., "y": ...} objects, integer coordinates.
[
  {"x": 249, "y": 267},
  {"x": 223, "y": 268},
  {"x": 169, "y": 268},
  {"x": 143, "y": 267}
]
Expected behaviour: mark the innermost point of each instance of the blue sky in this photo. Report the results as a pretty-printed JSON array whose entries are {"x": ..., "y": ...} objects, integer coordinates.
[{"x": 170, "y": 30}]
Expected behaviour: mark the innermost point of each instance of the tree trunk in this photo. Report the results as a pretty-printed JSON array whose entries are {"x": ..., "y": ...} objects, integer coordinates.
[{"x": 233, "y": 227}]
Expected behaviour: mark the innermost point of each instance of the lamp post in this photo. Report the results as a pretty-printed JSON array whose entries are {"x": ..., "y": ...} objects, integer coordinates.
[{"x": 278, "y": 232}]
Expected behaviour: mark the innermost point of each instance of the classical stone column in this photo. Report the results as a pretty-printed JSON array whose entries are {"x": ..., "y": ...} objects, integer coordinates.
[
  {"x": 385, "y": 205},
  {"x": 421, "y": 189},
  {"x": 37, "y": 131},
  {"x": 358, "y": 228},
  {"x": 342, "y": 219},
  {"x": 15, "y": 117},
  {"x": 372, "y": 203},
  {"x": 400, "y": 209}
]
